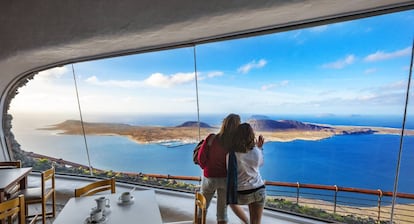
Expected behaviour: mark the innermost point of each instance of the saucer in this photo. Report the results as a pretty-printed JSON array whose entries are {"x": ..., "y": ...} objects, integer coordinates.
[
  {"x": 120, "y": 202},
  {"x": 90, "y": 221}
]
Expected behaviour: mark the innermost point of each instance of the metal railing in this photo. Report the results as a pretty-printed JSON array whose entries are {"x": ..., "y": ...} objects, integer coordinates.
[
  {"x": 346, "y": 201},
  {"x": 374, "y": 205},
  {"x": 356, "y": 203}
]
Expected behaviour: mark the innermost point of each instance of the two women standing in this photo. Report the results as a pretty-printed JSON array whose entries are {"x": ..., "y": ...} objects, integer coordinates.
[
  {"x": 238, "y": 139},
  {"x": 212, "y": 159}
]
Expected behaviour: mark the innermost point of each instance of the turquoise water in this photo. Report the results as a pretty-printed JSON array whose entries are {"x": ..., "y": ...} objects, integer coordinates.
[{"x": 361, "y": 161}]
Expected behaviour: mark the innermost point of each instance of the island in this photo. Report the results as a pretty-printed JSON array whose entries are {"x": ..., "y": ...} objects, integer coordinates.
[{"x": 188, "y": 132}]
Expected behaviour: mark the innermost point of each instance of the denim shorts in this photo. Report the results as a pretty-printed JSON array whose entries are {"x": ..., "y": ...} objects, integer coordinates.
[{"x": 258, "y": 197}]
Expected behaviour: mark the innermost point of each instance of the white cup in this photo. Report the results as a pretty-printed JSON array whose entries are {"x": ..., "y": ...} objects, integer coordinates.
[
  {"x": 126, "y": 197},
  {"x": 96, "y": 215},
  {"x": 102, "y": 202}
]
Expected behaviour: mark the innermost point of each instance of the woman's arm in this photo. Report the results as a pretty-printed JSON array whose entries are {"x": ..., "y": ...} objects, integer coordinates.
[{"x": 260, "y": 143}]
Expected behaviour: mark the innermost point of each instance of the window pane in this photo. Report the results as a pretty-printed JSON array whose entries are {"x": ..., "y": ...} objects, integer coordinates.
[
  {"x": 152, "y": 93},
  {"x": 46, "y": 100},
  {"x": 329, "y": 101}
]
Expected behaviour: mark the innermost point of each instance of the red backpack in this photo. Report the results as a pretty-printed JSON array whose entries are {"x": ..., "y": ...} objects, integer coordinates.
[{"x": 196, "y": 150}]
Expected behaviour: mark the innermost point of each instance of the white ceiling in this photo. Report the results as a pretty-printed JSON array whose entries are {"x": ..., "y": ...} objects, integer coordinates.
[{"x": 39, "y": 34}]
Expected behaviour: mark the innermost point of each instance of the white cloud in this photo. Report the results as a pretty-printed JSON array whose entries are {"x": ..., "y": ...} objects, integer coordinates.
[
  {"x": 93, "y": 80},
  {"x": 366, "y": 97},
  {"x": 284, "y": 82},
  {"x": 230, "y": 97},
  {"x": 154, "y": 80},
  {"x": 165, "y": 81},
  {"x": 253, "y": 64},
  {"x": 399, "y": 85},
  {"x": 51, "y": 74},
  {"x": 275, "y": 85},
  {"x": 268, "y": 86},
  {"x": 184, "y": 100},
  {"x": 214, "y": 74},
  {"x": 380, "y": 55},
  {"x": 370, "y": 70},
  {"x": 341, "y": 63},
  {"x": 396, "y": 86}
]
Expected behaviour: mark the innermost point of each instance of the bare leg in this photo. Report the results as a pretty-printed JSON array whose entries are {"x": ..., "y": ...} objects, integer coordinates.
[
  {"x": 238, "y": 210},
  {"x": 256, "y": 211}
]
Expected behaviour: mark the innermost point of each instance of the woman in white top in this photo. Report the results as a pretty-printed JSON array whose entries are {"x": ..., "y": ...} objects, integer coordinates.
[{"x": 250, "y": 185}]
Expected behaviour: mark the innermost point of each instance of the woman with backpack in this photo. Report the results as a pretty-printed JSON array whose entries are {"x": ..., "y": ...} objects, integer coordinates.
[{"x": 212, "y": 159}]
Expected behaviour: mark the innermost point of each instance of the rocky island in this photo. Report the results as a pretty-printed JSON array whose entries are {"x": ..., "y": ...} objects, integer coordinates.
[{"x": 272, "y": 130}]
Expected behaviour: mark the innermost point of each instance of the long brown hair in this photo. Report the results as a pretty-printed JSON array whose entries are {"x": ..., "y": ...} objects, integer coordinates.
[
  {"x": 228, "y": 126},
  {"x": 243, "y": 139}
]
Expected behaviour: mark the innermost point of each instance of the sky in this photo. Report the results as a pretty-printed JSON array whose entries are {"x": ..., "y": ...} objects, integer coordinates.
[{"x": 354, "y": 67}]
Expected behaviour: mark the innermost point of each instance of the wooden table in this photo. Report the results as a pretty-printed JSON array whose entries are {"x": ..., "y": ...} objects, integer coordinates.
[
  {"x": 9, "y": 178},
  {"x": 144, "y": 209}
]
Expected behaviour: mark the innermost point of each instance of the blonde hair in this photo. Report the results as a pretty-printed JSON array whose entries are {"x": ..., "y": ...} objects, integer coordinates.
[
  {"x": 243, "y": 140},
  {"x": 229, "y": 125}
]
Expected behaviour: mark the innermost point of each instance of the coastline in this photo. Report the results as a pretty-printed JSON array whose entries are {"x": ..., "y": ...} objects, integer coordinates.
[
  {"x": 282, "y": 136},
  {"x": 188, "y": 135}
]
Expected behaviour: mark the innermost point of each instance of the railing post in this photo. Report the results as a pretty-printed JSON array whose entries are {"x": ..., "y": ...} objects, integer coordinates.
[
  {"x": 336, "y": 196},
  {"x": 379, "y": 205},
  {"x": 297, "y": 193}
]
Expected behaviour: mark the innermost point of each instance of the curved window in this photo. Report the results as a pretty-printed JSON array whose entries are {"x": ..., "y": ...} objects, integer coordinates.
[{"x": 331, "y": 102}]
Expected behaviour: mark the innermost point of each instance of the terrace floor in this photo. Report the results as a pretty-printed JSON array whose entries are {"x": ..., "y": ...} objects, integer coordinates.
[{"x": 181, "y": 210}]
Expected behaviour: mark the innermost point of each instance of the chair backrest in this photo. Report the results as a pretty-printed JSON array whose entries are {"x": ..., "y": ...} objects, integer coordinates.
[
  {"x": 11, "y": 164},
  {"x": 13, "y": 207},
  {"x": 200, "y": 209},
  {"x": 47, "y": 191},
  {"x": 48, "y": 176},
  {"x": 14, "y": 191},
  {"x": 98, "y": 186}
]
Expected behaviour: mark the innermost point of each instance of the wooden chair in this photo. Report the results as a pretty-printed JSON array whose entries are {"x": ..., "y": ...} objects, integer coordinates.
[
  {"x": 42, "y": 194},
  {"x": 200, "y": 208},
  {"x": 200, "y": 211},
  {"x": 98, "y": 186},
  {"x": 13, "y": 208},
  {"x": 11, "y": 164}
]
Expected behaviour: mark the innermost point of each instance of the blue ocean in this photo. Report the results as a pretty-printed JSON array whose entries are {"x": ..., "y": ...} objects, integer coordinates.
[{"x": 359, "y": 161}]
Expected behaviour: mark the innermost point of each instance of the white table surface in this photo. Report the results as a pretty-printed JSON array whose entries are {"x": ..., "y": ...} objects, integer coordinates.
[{"x": 144, "y": 209}]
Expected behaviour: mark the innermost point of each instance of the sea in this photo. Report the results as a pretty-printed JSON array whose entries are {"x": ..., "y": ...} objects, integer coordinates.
[{"x": 358, "y": 161}]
